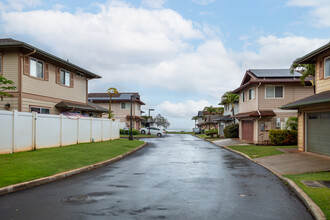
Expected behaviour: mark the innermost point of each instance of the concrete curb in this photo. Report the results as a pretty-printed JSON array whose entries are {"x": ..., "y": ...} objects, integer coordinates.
[
  {"x": 309, "y": 203},
  {"x": 60, "y": 176}
]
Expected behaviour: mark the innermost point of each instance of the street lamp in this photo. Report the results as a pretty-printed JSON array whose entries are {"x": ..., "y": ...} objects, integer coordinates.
[
  {"x": 150, "y": 109},
  {"x": 131, "y": 118}
]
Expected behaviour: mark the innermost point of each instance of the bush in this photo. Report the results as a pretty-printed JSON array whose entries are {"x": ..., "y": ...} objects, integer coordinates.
[
  {"x": 134, "y": 131},
  {"x": 231, "y": 131},
  {"x": 283, "y": 137},
  {"x": 212, "y": 132},
  {"x": 292, "y": 123}
]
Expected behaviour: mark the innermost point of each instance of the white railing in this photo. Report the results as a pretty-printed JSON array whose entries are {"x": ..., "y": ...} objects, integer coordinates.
[{"x": 24, "y": 131}]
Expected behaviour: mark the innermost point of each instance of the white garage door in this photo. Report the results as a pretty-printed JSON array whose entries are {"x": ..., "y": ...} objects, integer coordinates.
[{"x": 318, "y": 133}]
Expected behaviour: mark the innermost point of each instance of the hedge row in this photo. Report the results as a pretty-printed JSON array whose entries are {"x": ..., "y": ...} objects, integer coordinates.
[
  {"x": 231, "y": 131},
  {"x": 134, "y": 131},
  {"x": 283, "y": 137}
]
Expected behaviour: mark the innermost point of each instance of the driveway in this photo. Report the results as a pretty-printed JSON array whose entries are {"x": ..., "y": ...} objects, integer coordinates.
[{"x": 176, "y": 177}]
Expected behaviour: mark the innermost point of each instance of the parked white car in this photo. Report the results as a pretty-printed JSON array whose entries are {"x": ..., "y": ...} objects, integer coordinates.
[{"x": 154, "y": 131}]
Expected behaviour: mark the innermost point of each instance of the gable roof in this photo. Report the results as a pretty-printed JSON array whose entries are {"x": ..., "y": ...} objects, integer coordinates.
[
  {"x": 323, "y": 97},
  {"x": 269, "y": 76},
  {"x": 12, "y": 43},
  {"x": 119, "y": 97},
  {"x": 310, "y": 57}
]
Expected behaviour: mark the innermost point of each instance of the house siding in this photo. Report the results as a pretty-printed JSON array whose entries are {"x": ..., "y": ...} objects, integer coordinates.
[
  {"x": 292, "y": 92},
  {"x": 322, "y": 85},
  {"x": 301, "y": 132},
  {"x": 11, "y": 67},
  {"x": 26, "y": 103},
  {"x": 49, "y": 88},
  {"x": 248, "y": 105},
  {"x": 13, "y": 101}
]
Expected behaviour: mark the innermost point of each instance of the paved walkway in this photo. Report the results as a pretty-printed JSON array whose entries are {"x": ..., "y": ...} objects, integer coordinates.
[{"x": 291, "y": 162}]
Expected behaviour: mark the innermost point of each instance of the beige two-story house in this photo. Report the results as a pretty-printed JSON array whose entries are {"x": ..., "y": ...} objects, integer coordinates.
[
  {"x": 44, "y": 83},
  {"x": 314, "y": 111},
  {"x": 121, "y": 106},
  {"x": 262, "y": 93}
]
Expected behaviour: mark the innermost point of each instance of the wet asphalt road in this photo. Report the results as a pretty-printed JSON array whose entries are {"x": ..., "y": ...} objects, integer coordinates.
[{"x": 176, "y": 177}]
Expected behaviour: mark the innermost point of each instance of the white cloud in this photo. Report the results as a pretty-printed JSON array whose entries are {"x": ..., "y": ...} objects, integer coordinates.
[
  {"x": 185, "y": 109},
  {"x": 154, "y": 3},
  {"x": 19, "y": 5},
  {"x": 319, "y": 11},
  {"x": 203, "y": 2}
]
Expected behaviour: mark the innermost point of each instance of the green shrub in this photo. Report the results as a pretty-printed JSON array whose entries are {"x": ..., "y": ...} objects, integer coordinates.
[
  {"x": 212, "y": 132},
  {"x": 134, "y": 131},
  {"x": 292, "y": 123},
  {"x": 231, "y": 131},
  {"x": 283, "y": 137}
]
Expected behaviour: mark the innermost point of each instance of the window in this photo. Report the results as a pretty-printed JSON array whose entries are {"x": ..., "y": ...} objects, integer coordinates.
[
  {"x": 251, "y": 94},
  {"x": 40, "y": 110},
  {"x": 36, "y": 68},
  {"x": 274, "y": 91},
  {"x": 278, "y": 122},
  {"x": 65, "y": 77},
  {"x": 243, "y": 97},
  {"x": 327, "y": 67},
  {"x": 0, "y": 64},
  {"x": 125, "y": 105}
]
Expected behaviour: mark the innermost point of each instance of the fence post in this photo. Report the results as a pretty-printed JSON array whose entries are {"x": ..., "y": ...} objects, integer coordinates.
[
  {"x": 15, "y": 120},
  {"x": 34, "y": 130},
  {"x": 61, "y": 130},
  {"x": 78, "y": 130},
  {"x": 101, "y": 129},
  {"x": 91, "y": 137}
]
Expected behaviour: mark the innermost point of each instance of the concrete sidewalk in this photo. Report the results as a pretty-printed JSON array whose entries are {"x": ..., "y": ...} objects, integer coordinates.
[{"x": 296, "y": 163}]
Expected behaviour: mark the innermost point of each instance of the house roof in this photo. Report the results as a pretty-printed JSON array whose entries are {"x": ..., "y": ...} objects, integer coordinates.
[
  {"x": 90, "y": 107},
  {"x": 12, "y": 43},
  {"x": 323, "y": 97},
  {"x": 224, "y": 118},
  {"x": 310, "y": 57},
  {"x": 263, "y": 113},
  {"x": 253, "y": 76},
  {"x": 200, "y": 114},
  {"x": 119, "y": 97}
]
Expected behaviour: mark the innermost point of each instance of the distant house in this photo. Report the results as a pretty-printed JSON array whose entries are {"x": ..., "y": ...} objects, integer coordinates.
[
  {"x": 262, "y": 93},
  {"x": 227, "y": 119},
  {"x": 206, "y": 121},
  {"x": 44, "y": 83},
  {"x": 120, "y": 106},
  {"x": 314, "y": 111}
]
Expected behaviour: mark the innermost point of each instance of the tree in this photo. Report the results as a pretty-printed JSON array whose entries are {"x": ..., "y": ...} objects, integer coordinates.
[
  {"x": 306, "y": 70},
  {"x": 229, "y": 99},
  {"x": 195, "y": 119},
  {"x": 5, "y": 85},
  {"x": 292, "y": 123},
  {"x": 161, "y": 121},
  {"x": 209, "y": 111},
  {"x": 111, "y": 91}
]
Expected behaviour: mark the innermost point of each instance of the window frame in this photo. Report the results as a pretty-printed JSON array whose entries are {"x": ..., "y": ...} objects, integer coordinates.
[
  {"x": 324, "y": 63},
  {"x": 243, "y": 97},
  {"x": 274, "y": 97},
  {"x": 47, "y": 108},
  {"x": 251, "y": 91},
  {"x": 126, "y": 106},
  {"x": 65, "y": 71},
  {"x": 43, "y": 68}
]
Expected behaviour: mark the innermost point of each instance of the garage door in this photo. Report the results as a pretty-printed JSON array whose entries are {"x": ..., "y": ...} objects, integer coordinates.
[
  {"x": 318, "y": 133},
  {"x": 247, "y": 130}
]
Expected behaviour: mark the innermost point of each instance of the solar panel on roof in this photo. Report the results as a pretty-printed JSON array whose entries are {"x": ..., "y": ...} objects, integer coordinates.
[
  {"x": 274, "y": 73},
  {"x": 125, "y": 96}
]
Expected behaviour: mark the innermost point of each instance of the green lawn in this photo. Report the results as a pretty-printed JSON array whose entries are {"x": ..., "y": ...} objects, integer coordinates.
[
  {"x": 209, "y": 138},
  {"x": 25, "y": 166},
  {"x": 321, "y": 196},
  {"x": 179, "y": 132},
  {"x": 255, "y": 151},
  {"x": 137, "y": 136}
]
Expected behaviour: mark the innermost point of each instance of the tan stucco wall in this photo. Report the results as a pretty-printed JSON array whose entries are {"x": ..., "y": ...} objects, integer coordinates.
[
  {"x": 321, "y": 84},
  {"x": 248, "y": 105},
  {"x": 49, "y": 88},
  {"x": 11, "y": 67}
]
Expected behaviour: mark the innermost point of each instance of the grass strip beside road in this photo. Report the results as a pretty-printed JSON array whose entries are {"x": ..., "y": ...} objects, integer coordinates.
[
  {"x": 321, "y": 196},
  {"x": 138, "y": 136},
  {"x": 254, "y": 151},
  {"x": 209, "y": 138},
  {"x": 30, "y": 165}
]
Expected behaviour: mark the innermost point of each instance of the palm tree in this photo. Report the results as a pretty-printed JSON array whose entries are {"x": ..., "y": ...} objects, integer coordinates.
[
  {"x": 111, "y": 91},
  {"x": 209, "y": 111},
  {"x": 306, "y": 70},
  {"x": 194, "y": 118},
  {"x": 229, "y": 99}
]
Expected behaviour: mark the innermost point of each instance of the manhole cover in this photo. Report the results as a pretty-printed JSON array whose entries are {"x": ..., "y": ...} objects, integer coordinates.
[
  {"x": 312, "y": 184},
  {"x": 81, "y": 199},
  {"x": 325, "y": 183}
]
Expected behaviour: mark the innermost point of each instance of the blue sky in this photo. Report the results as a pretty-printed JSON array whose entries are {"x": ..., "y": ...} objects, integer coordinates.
[{"x": 179, "y": 55}]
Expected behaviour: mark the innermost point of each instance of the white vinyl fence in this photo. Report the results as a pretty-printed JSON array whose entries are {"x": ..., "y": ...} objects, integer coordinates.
[{"x": 23, "y": 131}]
